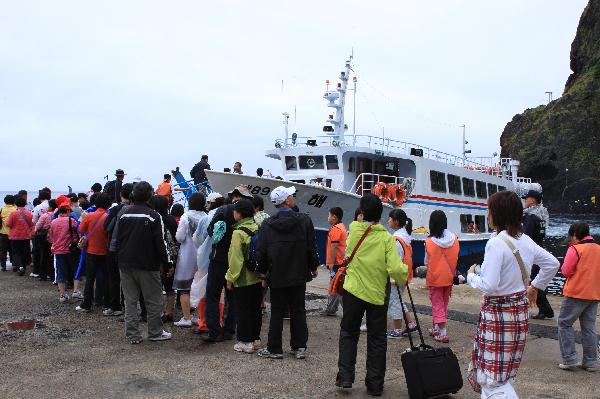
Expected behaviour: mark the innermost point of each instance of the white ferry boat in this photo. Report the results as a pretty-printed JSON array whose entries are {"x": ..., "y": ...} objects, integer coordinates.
[{"x": 337, "y": 169}]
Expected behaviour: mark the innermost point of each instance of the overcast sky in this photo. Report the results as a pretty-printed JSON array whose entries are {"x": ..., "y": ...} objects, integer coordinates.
[{"x": 88, "y": 87}]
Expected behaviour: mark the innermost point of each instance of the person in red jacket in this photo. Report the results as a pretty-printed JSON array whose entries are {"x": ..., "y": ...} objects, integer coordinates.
[
  {"x": 21, "y": 226},
  {"x": 62, "y": 234},
  {"x": 92, "y": 227},
  {"x": 581, "y": 296}
]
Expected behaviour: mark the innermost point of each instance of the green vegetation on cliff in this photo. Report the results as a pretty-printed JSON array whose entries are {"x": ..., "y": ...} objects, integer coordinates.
[{"x": 565, "y": 134}]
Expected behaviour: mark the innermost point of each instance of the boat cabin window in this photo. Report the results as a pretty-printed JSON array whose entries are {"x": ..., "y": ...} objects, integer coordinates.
[
  {"x": 299, "y": 181},
  {"x": 332, "y": 162},
  {"x": 481, "y": 189},
  {"x": 351, "y": 164},
  {"x": 492, "y": 189},
  {"x": 311, "y": 162},
  {"x": 438, "y": 181},
  {"x": 480, "y": 222},
  {"x": 468, "y": 225},
  {"x": 290, "y": 163},
  {"x": 454, "y": 185},
  {"x": 501, "y": 188},
  {"x": 468, "y": 187}
]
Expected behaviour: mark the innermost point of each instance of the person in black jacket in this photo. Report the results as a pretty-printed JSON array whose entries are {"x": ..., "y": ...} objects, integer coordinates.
[
  {"x": 197, "y": 172},
  {"x": 161, "y": 205},
  {"x": 141, "y": 251},
  {"x": 215, "y": 280},
  {"x": 113, "y": 187},
  {"x": 287, "y": 252},
  {"x": 112, "y": 268},
  {"x": 535, "y": 221}
]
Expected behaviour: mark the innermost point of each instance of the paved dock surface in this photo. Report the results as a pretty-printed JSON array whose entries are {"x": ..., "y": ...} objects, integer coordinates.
[{"x": 86, "y": 355}]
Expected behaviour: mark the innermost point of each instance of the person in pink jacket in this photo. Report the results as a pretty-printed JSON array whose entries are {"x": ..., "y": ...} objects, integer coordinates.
[
  {"x": 21, "y": 227},
  {"x": 62, "y": 233}
]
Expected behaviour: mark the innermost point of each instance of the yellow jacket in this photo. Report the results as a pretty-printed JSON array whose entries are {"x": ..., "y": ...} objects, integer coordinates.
[
  {"x": 375, "y": 262},
  {"x": 5, "y": 211}
]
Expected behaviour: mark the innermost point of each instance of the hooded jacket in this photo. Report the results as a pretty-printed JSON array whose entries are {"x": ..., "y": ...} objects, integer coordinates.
[
  {"x": 239, "y": 249},
  {"x": 535, "y": 222},
  {"x": 441, "y": 257},
  {"x": 224, "y": 214},
  {"x": 374, "y": 263},
  {"x": 286, "y": 249}
]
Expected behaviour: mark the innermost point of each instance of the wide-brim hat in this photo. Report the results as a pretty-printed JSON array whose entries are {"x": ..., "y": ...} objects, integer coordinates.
[
  {"x": 120, "y": 172},
  {"x": 241, "y": 190}
]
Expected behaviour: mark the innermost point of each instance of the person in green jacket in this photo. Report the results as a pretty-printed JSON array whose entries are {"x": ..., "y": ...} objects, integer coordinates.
[
  {"x": 375, "y": 262},
  {"x": 246, "y": 285}
]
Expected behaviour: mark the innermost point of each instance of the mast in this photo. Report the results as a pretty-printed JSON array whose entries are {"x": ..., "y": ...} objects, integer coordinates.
[{"x": 336, "y": 125}]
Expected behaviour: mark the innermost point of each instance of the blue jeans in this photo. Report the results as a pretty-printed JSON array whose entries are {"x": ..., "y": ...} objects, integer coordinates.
[
  {"x": 62, "y": 266},
  {"x": 584, "y": 310}
]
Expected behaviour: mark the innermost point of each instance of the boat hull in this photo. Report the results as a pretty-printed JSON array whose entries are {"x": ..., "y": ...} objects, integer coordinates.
[{"x": 315, "y": 201}]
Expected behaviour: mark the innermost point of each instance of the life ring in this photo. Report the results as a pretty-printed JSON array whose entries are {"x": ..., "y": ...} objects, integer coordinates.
[
  {"x": 396, "y": 194},
  {"x": 381, "y": 190}
]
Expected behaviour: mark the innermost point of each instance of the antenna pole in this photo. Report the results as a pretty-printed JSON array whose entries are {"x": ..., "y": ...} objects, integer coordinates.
[
  {"x": 354, "y": 108},
  {"x": 464, "y": 141}
]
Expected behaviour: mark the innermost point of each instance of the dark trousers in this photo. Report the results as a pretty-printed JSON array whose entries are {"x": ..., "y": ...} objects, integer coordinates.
[
  {"x": 291, "y": 298},
  {"x": 541, "y": 301},
  {"x": 21, "y": 253},
  {"x": 249, "y": 313},
  {"x": 94, "y": 263},
  {"x": 36, "y": 253},
  {"x": 46, "y": 260},
  {"x": 215, "y": 283},
  {"x": 354, "y": 309},
  {"x": 114, "y": 281},
  {"x": 5, "y": 250}
]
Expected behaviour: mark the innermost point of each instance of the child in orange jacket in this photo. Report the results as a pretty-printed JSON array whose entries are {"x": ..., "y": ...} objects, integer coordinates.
[{"x": 441, "y": 257}]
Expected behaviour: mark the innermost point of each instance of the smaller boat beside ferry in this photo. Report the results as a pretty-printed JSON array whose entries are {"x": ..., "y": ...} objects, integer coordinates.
[{"x": 337, "y": 169}]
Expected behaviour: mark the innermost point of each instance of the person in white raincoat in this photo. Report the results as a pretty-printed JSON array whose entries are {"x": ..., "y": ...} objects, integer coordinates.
[{"x": 186, "y": 263}]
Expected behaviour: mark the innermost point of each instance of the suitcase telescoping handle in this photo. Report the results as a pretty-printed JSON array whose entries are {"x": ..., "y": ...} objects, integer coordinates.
[{"x": 412, "y": 304}]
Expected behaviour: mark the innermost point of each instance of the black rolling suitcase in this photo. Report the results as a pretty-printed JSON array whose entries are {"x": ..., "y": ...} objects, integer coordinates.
[{"x": 429, "y": 371}]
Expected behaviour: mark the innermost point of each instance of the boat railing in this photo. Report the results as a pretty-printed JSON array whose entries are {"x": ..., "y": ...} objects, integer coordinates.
[
  {"x": 487, "y": 165},
  {"x": 365, "y": 182}
]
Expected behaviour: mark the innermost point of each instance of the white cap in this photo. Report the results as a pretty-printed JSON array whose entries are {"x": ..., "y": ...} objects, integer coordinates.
[
  {"x": 213, "y": 196},
  {"x": 280, "y": 194}
]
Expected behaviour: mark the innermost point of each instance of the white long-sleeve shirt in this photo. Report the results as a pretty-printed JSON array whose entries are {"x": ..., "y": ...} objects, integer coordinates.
[{"x": 500, "y": 271}]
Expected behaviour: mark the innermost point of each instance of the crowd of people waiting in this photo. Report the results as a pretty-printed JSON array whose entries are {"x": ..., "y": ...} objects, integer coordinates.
[{"x": 141, "y": 248}]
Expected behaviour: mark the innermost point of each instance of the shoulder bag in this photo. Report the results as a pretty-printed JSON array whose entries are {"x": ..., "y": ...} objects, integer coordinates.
[
  {"x": 336, "y": 285},
  {"x": 83, "y": 241},
  {"x": 517, "y": 255}
]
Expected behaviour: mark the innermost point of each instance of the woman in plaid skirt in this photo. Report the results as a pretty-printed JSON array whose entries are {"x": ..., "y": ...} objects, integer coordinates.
[{"x": 503, "y": 281}]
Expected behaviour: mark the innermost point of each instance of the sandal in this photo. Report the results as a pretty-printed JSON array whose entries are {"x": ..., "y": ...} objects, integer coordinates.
[{"x": 441, "y": 338}]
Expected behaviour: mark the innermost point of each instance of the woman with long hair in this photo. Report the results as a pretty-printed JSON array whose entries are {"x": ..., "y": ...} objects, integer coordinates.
[{"x": 504, "y": 282}]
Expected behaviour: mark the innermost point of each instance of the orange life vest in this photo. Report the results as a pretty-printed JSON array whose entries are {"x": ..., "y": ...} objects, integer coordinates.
[
  {"x": 441, "y": 266},
  {"x": 585, "y": 283},
  {"x": 408, "y": 254}
]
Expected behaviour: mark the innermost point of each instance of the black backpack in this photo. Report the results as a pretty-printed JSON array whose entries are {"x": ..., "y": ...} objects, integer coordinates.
[{"x": 251, "y": 263}]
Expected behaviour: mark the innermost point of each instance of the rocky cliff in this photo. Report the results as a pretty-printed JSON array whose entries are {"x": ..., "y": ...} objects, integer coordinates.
[{"x": 565, "y": 134}]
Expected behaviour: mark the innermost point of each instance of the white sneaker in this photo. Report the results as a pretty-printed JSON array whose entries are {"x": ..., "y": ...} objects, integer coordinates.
[
  {"x": 77, "y": 295},
  {"x": 246, "y": 347},
  {"x": 195, "y": 320},
  {"x": 569, "y": 366},
  {"x": 63, "y": 299},
  {"x": 183, "y": 323},
  {"x": 34, "y": 275},
  {"x": 162, "y": 337},
  {"x": 82, "y": 310},
  {"x": 108, "y": 312},
  {"x": 363, "y": 328}
]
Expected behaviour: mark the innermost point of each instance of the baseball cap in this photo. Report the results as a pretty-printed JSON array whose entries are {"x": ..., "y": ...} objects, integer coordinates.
[
  {"x": 280, "y": 194},
  {"x": 241, "y": 190},
  {"x": 533, "y": 194},
  {"x": 213, "y": 196}
]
